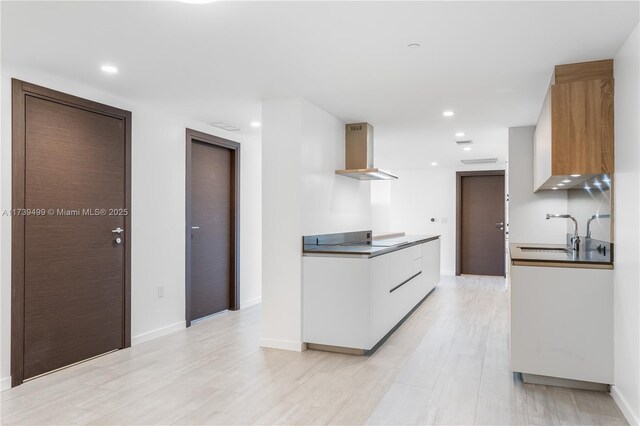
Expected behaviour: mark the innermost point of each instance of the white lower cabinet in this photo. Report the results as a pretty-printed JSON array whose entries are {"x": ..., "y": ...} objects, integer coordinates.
[
  {"x": 353, "y": 302},
  {"x": 562, "y": 322}
]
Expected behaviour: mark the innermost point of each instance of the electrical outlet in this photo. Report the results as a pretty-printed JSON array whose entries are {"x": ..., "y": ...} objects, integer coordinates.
[{"x": 160, "y": 291}]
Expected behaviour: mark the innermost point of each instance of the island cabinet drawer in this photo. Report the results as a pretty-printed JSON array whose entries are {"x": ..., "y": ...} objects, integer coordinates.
[
  {"x": 396, "y": 287},
  {"x": 417, "y": 251},
  {"x": 402, "y": 266},
  {"x": 430, "y": 265}
]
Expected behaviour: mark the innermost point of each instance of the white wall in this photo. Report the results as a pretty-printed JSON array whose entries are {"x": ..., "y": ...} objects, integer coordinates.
[
  {"x": 158, "y": 211},
  {"x": 281, "y": 224},
  {"x": 527, "y": 210},
  {"x": 301, "y": 195},
  {"x": 626, "y": 391},
  {"x": 330, "y": 203},
  {"x": 408, "y": 204}
]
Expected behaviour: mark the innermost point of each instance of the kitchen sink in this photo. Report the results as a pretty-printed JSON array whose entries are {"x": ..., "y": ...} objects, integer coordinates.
[{"x": 544, "y": 250}]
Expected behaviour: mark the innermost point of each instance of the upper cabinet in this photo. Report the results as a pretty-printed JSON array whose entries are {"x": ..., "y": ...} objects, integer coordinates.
[{"x": 573, "y": 141}]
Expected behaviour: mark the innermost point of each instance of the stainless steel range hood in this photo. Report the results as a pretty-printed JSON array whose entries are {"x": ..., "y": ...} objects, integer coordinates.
[{"x": 358, "y": 150}]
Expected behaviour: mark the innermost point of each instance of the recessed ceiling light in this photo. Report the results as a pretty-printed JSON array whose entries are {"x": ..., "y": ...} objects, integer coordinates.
[
  {"x": 561, "y": 184},
  {"x": 597, "y": 183},
  {"x": 460, "y": 134},
  {"x": 109, "y": 69},
  {"x": 566, "y": 181},
  {"x": 434, "y": 164},
  {"x": 413, "y": 45},
  {"x": 255, "y": 124},
  {"x": 575, "y": 175},
  {"x": 606, "y": 179},
  {"x": 448, "y": 113},
  {"x": 554, "y": 188},
  {"x": 467, "y": 148},
  {"x": 587, "y": 187}
]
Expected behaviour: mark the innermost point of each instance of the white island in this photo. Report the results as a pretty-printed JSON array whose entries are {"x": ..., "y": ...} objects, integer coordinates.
[{"x": 352, "y": 299}]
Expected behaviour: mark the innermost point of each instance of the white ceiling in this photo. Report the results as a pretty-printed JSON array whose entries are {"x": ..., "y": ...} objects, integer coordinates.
[{"x": 490, "y": 62}]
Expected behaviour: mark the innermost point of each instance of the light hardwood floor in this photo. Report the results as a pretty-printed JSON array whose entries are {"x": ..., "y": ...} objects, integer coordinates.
[{"x": 448, "y": 364}]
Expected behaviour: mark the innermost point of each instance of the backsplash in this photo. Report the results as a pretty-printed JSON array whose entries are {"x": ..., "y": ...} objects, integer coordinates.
[{"x": 583, "y": 204}]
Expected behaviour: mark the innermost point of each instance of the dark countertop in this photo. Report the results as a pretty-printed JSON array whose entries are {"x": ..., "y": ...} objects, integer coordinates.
[
  {"x": 584, "y": 258},
  {"x": 378, "y": 246}
]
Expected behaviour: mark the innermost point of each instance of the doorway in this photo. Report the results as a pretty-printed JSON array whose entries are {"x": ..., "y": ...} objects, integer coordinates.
[
  {"x": 71, "y": 198},
  {"x": 480, "y": 236},
  {"x": 212, "y": 231}
]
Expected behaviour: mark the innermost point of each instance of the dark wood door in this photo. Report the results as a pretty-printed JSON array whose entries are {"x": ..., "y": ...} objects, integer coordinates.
[
  {"x": 74, "y": 270},
  {"x": 211, "y": 229},
  {"x": 482, "y": 250}
]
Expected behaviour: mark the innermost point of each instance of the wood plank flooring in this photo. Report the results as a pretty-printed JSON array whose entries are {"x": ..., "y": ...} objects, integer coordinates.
[{"x": 448, "y": 364}]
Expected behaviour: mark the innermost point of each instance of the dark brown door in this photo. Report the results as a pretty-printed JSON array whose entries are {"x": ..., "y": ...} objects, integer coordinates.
[
  {"x": 211, "y": 229},
  {"x": 481, "y": 224},
  {"x": 74, "y": 270}
]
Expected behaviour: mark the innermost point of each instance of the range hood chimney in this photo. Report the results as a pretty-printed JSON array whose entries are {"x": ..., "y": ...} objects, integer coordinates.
[{"x": 358, "y": 153}]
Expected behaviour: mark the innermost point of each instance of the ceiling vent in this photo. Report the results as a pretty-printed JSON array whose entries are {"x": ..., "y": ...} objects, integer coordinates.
[
  {"x": 225, "y": 126},
  {"x": 467, "y": 142},
  {"x": 480, "y": 161}
]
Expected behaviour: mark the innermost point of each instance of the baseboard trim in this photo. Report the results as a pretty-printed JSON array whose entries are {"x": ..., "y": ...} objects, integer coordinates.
[
  {"x": 251, "y": 302},
  {"x": 287, "y": 345},
  {"x": 5, "y": 383},
  {"x": 623, "y": 405},
  {"x": 158, "y": 332}
]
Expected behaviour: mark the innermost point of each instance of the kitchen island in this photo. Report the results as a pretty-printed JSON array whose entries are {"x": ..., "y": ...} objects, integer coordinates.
[{"x": 357, "y": 289}]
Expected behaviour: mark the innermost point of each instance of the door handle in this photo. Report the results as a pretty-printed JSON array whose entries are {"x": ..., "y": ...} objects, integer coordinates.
[
  {"x": 118, "y": 231},
  {"x": 195, "y": 227},
  {"x": 500, "y": 226}
]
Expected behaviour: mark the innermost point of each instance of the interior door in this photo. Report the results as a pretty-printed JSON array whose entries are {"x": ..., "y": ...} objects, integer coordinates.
[
  {"x": 211, "y": 229},
  {"x": 482, "y": 225},
  {"x": 74, "y": 262}
]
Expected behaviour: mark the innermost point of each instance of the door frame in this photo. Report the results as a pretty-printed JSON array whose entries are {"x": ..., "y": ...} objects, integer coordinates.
[
  {"x": 234, "y": 147},
  {"x": 459, "y": 176},
  {"x": 20, "y": 90}
]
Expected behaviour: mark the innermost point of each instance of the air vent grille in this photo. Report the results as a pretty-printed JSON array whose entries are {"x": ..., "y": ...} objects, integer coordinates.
[
  {"x": 355, "y": 127},
  {"x": 225, "y": 126},
  {"x": 467, "y": 142},
  {"x": 480, "y": 161}
]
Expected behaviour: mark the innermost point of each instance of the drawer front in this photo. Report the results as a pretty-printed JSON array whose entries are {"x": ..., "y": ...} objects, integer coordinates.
[
  {"x": 403, "y": 266},
  {"x": 431, "y": 265},
  {"x": 417, "y": 251},
  {"x": 396, "y": 286}
]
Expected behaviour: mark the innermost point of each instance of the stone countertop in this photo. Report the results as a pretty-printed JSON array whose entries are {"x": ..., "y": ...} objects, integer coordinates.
[
  {"x": 584, "y": 258},
  {"x": 377, "y": 247}
]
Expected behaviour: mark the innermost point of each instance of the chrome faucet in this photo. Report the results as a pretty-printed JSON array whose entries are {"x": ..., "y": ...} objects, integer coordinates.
[
  {"x": 575, "y": 240},
  {"x": 595, "y": 216}
]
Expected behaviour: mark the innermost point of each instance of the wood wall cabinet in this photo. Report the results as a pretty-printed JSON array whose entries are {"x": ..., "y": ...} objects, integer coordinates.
[{"x": 574, "y": 134}]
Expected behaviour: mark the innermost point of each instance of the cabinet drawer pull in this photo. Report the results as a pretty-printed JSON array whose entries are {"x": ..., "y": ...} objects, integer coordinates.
[{"x": 404, "y": 282}]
